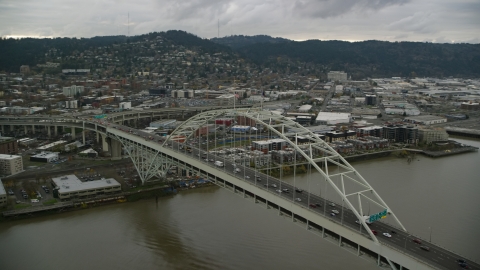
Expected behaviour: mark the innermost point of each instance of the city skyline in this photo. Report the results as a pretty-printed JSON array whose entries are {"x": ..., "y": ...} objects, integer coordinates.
[{"x": 443, "y": 21}]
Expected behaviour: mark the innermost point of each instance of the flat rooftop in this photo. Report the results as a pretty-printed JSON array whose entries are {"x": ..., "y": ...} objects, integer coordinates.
[
  {"x": 5, "y": 156},
  {"x": 425, "y": 117},
  {"x": 71, "y": 183}
]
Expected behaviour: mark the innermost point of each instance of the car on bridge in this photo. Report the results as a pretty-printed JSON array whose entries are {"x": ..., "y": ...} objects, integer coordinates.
[
  {"x": 417, "y": 241},
  {"x": 387, "y": 235},
  {"x": 312, "y": 205},
  {"x": 335, "y": 211},
  {"x": 298, "y": 199},
  {"x": 425, "y": 248},
  {"x": 374, "y": 232},
  {"x": 331, "y": 204},
  {"x": 298, "y": 190}
]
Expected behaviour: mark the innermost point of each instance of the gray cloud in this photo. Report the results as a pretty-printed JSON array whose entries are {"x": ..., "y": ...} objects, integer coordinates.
[
  {"x": 394, "y": 20},
  {"x": 333, "y": 8}
]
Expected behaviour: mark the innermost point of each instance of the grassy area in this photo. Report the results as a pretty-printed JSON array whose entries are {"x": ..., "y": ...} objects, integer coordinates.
[
  {"x": 50, "y": 202},
  {"x": 22, "y": 205}
]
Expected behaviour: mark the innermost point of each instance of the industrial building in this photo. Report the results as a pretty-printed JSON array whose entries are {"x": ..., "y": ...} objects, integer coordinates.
[
  {"x": 165, "y": 123},
  {"x": 10, "y": 164},
  {"x": 333, "y": 118},
  {"x": 240, "y": 129},
  {"x": 125, "y": 106},
  {"x": 69, "y": 187},
  {"x": 45, "y": 157},
  {"x": 425, "y": 119},
  {"x": 51, "y": 145}
]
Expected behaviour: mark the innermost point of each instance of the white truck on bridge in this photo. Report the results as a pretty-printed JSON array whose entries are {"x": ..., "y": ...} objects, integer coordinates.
[{"x": 218, "y": 163}]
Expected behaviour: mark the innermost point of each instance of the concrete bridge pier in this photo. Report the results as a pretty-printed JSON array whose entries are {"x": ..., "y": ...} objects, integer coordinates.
[
  {"x": 33, "y": 129},
  {"x": 55, "y": 130},
  {"x": 3, "y": 129},
  {"x": 48, "y": 131},
  {"x": 25, "y": 129},
  {"x": 115, "y": 148},
  {"x": 104, "y": 143},
  {"x": 83, "y": 136},
  {"x": 73, "y": 133},
  {"x": 98, "y": 135}
]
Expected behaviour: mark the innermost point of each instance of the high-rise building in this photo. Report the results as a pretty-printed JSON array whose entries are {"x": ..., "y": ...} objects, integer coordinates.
[
  {"x": 10, "y": 164},
  {"x": 71, "y": 91}
]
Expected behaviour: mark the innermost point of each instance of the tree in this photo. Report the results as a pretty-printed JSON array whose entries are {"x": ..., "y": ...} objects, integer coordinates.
[{"x": 404, "y": 113}]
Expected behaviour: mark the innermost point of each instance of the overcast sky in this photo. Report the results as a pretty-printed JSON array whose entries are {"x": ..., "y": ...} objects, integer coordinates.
[{"x": 352, "y": 20}]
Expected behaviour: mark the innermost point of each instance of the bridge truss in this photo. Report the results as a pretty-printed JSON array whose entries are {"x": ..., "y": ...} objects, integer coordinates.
[{"x": 307, "y": 149}]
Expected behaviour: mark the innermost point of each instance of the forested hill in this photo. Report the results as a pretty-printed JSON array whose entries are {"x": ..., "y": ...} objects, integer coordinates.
[
  {"x": 369, "y": 58},
  {"x": 31, "y": 51},
  {"x": 238, "y": 41}
]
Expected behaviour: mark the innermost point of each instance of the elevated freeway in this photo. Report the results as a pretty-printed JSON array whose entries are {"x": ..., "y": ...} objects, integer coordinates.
[{"x": 201, "y": 154}]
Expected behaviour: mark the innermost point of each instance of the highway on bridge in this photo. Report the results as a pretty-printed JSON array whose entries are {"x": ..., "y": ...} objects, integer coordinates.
[{"x": 398, "y": 239}]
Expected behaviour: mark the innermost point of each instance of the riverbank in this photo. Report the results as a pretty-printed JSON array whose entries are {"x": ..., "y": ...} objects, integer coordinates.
[{"x": 130, "y": 196}]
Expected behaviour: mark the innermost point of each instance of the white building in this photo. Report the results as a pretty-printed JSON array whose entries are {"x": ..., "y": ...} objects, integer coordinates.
[
  {"x": 10, "y": 164},
  {"x": 332, "y": 118},
  {"x": 425, "y": 119},
  {"x": 71, "y": 91},
  {"x": 69, "y": 187},
  {"x": 3, "y": 195},
  {"x": 125, "y": 105},
  {"x": 305, "y": 108},
  {"x": 337, "y": 76},
  {"x": 71, "y": 104}
]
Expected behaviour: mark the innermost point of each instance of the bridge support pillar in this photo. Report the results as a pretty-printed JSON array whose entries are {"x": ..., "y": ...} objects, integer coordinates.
[
  {"x": 3, "y": 129},
  {"x": 115, "y": 149},
  {"x": 55, "y": 130},
  {"x": 340, "y": 240},
  {"x": 25, "y": 129},
  {"x": 73, "y": 133},
  {"x": 358, "y": 251},
  {"x": 83, "y": 136},
  {"x": 378, "y": 259},
  {"x": 98, "y": 137},
  {"x": 104, "y": 143},
  {"x": 48, "y": 131},
  {"x": 33, "y": 129}
]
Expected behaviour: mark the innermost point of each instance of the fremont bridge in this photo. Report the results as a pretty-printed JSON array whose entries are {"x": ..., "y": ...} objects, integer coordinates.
[{"x": 255, "y": 163}]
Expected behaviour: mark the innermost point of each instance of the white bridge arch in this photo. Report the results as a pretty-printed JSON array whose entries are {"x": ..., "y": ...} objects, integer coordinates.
[{"x": 354, "y": 191}]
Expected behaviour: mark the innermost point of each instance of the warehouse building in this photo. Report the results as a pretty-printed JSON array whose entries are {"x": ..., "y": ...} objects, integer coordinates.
[
  {"x": 333, "y": 118},
  {"x": 425, "y": 119},
  {"x": 45, "y": 157},
  {"x": 69, "y": 187}
]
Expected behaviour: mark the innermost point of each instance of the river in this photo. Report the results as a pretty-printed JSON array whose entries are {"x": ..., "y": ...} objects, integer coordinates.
[{"x": 211, "y": 228}]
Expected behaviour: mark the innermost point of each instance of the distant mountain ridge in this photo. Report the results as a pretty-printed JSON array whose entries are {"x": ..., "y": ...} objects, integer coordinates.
[
  {"x": 359, "y": 59},
  {"x": 366, "y": 58},
  {"x": 238, "y": 41}
]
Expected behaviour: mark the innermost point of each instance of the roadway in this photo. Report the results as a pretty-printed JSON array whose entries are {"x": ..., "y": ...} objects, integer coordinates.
[{"x": 400, "y": 240}]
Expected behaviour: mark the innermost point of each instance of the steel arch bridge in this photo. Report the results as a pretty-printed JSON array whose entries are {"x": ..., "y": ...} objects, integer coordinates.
[{"x": 353, "y": 189}]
